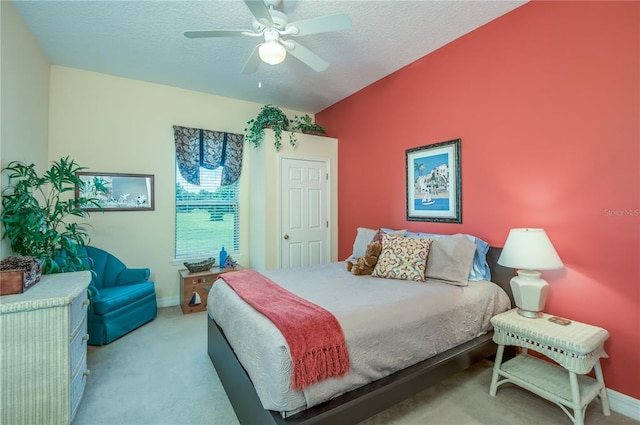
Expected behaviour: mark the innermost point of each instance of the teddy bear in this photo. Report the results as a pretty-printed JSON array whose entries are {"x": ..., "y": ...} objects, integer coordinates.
[{"x": 364, "y": 265}]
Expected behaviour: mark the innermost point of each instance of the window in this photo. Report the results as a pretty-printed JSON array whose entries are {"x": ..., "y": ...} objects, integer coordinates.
[{"x": 207, "y": 216}]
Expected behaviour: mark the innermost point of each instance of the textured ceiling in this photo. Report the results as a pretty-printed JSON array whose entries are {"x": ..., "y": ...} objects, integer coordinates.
[{"x": 144, "y": 40}]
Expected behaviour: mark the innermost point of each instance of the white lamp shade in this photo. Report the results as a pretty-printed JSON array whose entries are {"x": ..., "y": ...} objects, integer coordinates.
[
  {"x": 529, "y": 249},
  {"x": 272, "y": 52}
]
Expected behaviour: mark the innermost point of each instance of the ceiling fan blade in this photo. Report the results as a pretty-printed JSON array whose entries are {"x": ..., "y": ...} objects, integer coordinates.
[
  {"x": 252, "y": 63},
  {"x": 215, "y": 33},
  {"x": 259, "y": 11},
  {"x": 306, "y": 56},
  {"x": 337, "y": 22}
]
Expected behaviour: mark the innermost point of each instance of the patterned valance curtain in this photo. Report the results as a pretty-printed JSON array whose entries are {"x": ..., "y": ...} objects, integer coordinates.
[{"x": 196, "y": 147}]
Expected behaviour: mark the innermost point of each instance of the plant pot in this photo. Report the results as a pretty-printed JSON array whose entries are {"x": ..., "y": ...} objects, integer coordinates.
[
  {"x": 18, "y": 273},
  {"x": 17, "y": 281},
  {"x": 314, "y": 132}
]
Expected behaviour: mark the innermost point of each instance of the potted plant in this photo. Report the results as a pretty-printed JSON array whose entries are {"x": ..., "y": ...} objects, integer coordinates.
[
  {"x": 306, "y": 125},
  {"x": 269, "y": 117},
  {"x": 36, "y": 212}
]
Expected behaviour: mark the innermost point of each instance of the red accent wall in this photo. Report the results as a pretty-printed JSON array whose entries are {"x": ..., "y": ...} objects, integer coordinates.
[{"x": 546, "y": 102}]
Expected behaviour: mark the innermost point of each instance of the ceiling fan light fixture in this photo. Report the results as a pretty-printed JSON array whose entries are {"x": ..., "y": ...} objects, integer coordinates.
[
  {"x": 272, "y": 25},
  {"x": 272, "y": 52}
]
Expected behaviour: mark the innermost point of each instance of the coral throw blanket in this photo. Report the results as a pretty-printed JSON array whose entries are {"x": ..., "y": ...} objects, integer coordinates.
[{"x": 316, "y": 342}]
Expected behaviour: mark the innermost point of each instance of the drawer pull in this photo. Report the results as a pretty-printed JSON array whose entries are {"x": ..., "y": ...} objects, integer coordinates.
[
  {"x": 85, "y": 302},
  {"x": 86, "y": 337},
  {"x": 86, "y": 372}
]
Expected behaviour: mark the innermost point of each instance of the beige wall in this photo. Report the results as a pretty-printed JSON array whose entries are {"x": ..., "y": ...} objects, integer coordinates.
[
  {"x": 25, "y": 97},
  {"x": 112, "y": 124}
]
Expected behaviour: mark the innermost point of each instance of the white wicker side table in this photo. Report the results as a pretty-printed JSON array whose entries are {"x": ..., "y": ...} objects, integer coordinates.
[{"x": 576, "y": 347}]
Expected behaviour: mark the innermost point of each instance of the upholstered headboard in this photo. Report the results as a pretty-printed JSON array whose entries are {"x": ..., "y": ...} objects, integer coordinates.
[{"x": 499, "y": 274}]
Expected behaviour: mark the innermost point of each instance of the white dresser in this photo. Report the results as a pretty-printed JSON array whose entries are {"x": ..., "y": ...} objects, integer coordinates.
[{"x": 43, "y": 350}]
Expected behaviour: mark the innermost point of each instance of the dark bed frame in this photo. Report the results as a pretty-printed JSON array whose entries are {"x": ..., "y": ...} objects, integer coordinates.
[{"x": 363, "y": 402}]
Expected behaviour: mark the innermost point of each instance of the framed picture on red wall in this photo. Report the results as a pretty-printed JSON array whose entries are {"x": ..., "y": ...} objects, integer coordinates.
[{"x": 434, "y": 190}]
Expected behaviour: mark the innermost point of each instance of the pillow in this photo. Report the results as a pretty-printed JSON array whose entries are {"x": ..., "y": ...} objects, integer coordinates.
[
  {"x": 402, "y": 258},
  {"x": 450, "y": 259},
  {"x": 384, "y": 230},
  {"x": 363, "y": 238},
  {"x": 480, "y": 269}
]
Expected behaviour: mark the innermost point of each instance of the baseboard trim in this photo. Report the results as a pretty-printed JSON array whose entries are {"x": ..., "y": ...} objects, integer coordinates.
[
  {"x": 168, "y": 301},
  {"x": 624, "y": 404}
]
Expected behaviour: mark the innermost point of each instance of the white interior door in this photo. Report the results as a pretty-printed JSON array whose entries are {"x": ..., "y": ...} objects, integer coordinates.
[{"x": 304, "y": 223}]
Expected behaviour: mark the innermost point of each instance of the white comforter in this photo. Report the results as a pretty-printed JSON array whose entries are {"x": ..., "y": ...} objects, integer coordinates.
[{"x": 388, "y": 325}]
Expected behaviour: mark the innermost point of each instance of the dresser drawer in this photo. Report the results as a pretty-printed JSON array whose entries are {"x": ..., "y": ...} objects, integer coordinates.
[
  {"x": 77, "y": 386},
  {"x": 78, "y": 348},
  {"x": 200, "y": 280},
  {"x": 77, "y": 312}
]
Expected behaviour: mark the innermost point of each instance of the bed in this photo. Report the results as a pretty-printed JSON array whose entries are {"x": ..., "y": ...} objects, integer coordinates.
[{"x": 356, "y": 400}]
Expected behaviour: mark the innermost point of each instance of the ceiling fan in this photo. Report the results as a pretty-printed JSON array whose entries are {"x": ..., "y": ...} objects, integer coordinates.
[{"x": 272, "y": 25}]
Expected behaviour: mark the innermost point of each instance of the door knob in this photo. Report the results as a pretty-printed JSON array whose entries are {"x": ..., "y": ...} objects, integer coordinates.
[{"x": 286, "y": 236}]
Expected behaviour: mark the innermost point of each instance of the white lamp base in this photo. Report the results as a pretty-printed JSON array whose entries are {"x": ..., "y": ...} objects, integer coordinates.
[
  {"x": 529, "y": 293},
  {"x": 529, "y": 314}
]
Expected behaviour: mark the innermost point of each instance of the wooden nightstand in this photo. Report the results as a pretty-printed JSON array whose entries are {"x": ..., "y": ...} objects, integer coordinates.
[
  {"x": 577, "y": 347},
  {"x": 195, "y": 287}
]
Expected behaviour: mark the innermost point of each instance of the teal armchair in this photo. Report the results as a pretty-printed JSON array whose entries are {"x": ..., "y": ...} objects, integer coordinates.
[{"x": 122, "y": 299}]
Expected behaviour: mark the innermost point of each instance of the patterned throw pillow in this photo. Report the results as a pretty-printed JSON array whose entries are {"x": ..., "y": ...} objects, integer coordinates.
[{"x": 402, "y": 258}]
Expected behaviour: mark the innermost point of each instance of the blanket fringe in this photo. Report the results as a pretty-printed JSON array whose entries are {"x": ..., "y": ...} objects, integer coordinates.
[{"x": 312, "y": 368}]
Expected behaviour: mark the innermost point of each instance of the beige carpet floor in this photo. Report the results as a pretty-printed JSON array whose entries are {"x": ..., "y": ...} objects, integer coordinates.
[{"x": 161, "y": 374}]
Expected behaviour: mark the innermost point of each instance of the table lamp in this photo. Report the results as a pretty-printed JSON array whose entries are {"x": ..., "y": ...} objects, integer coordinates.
[{"x": 529, "y": 250}]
